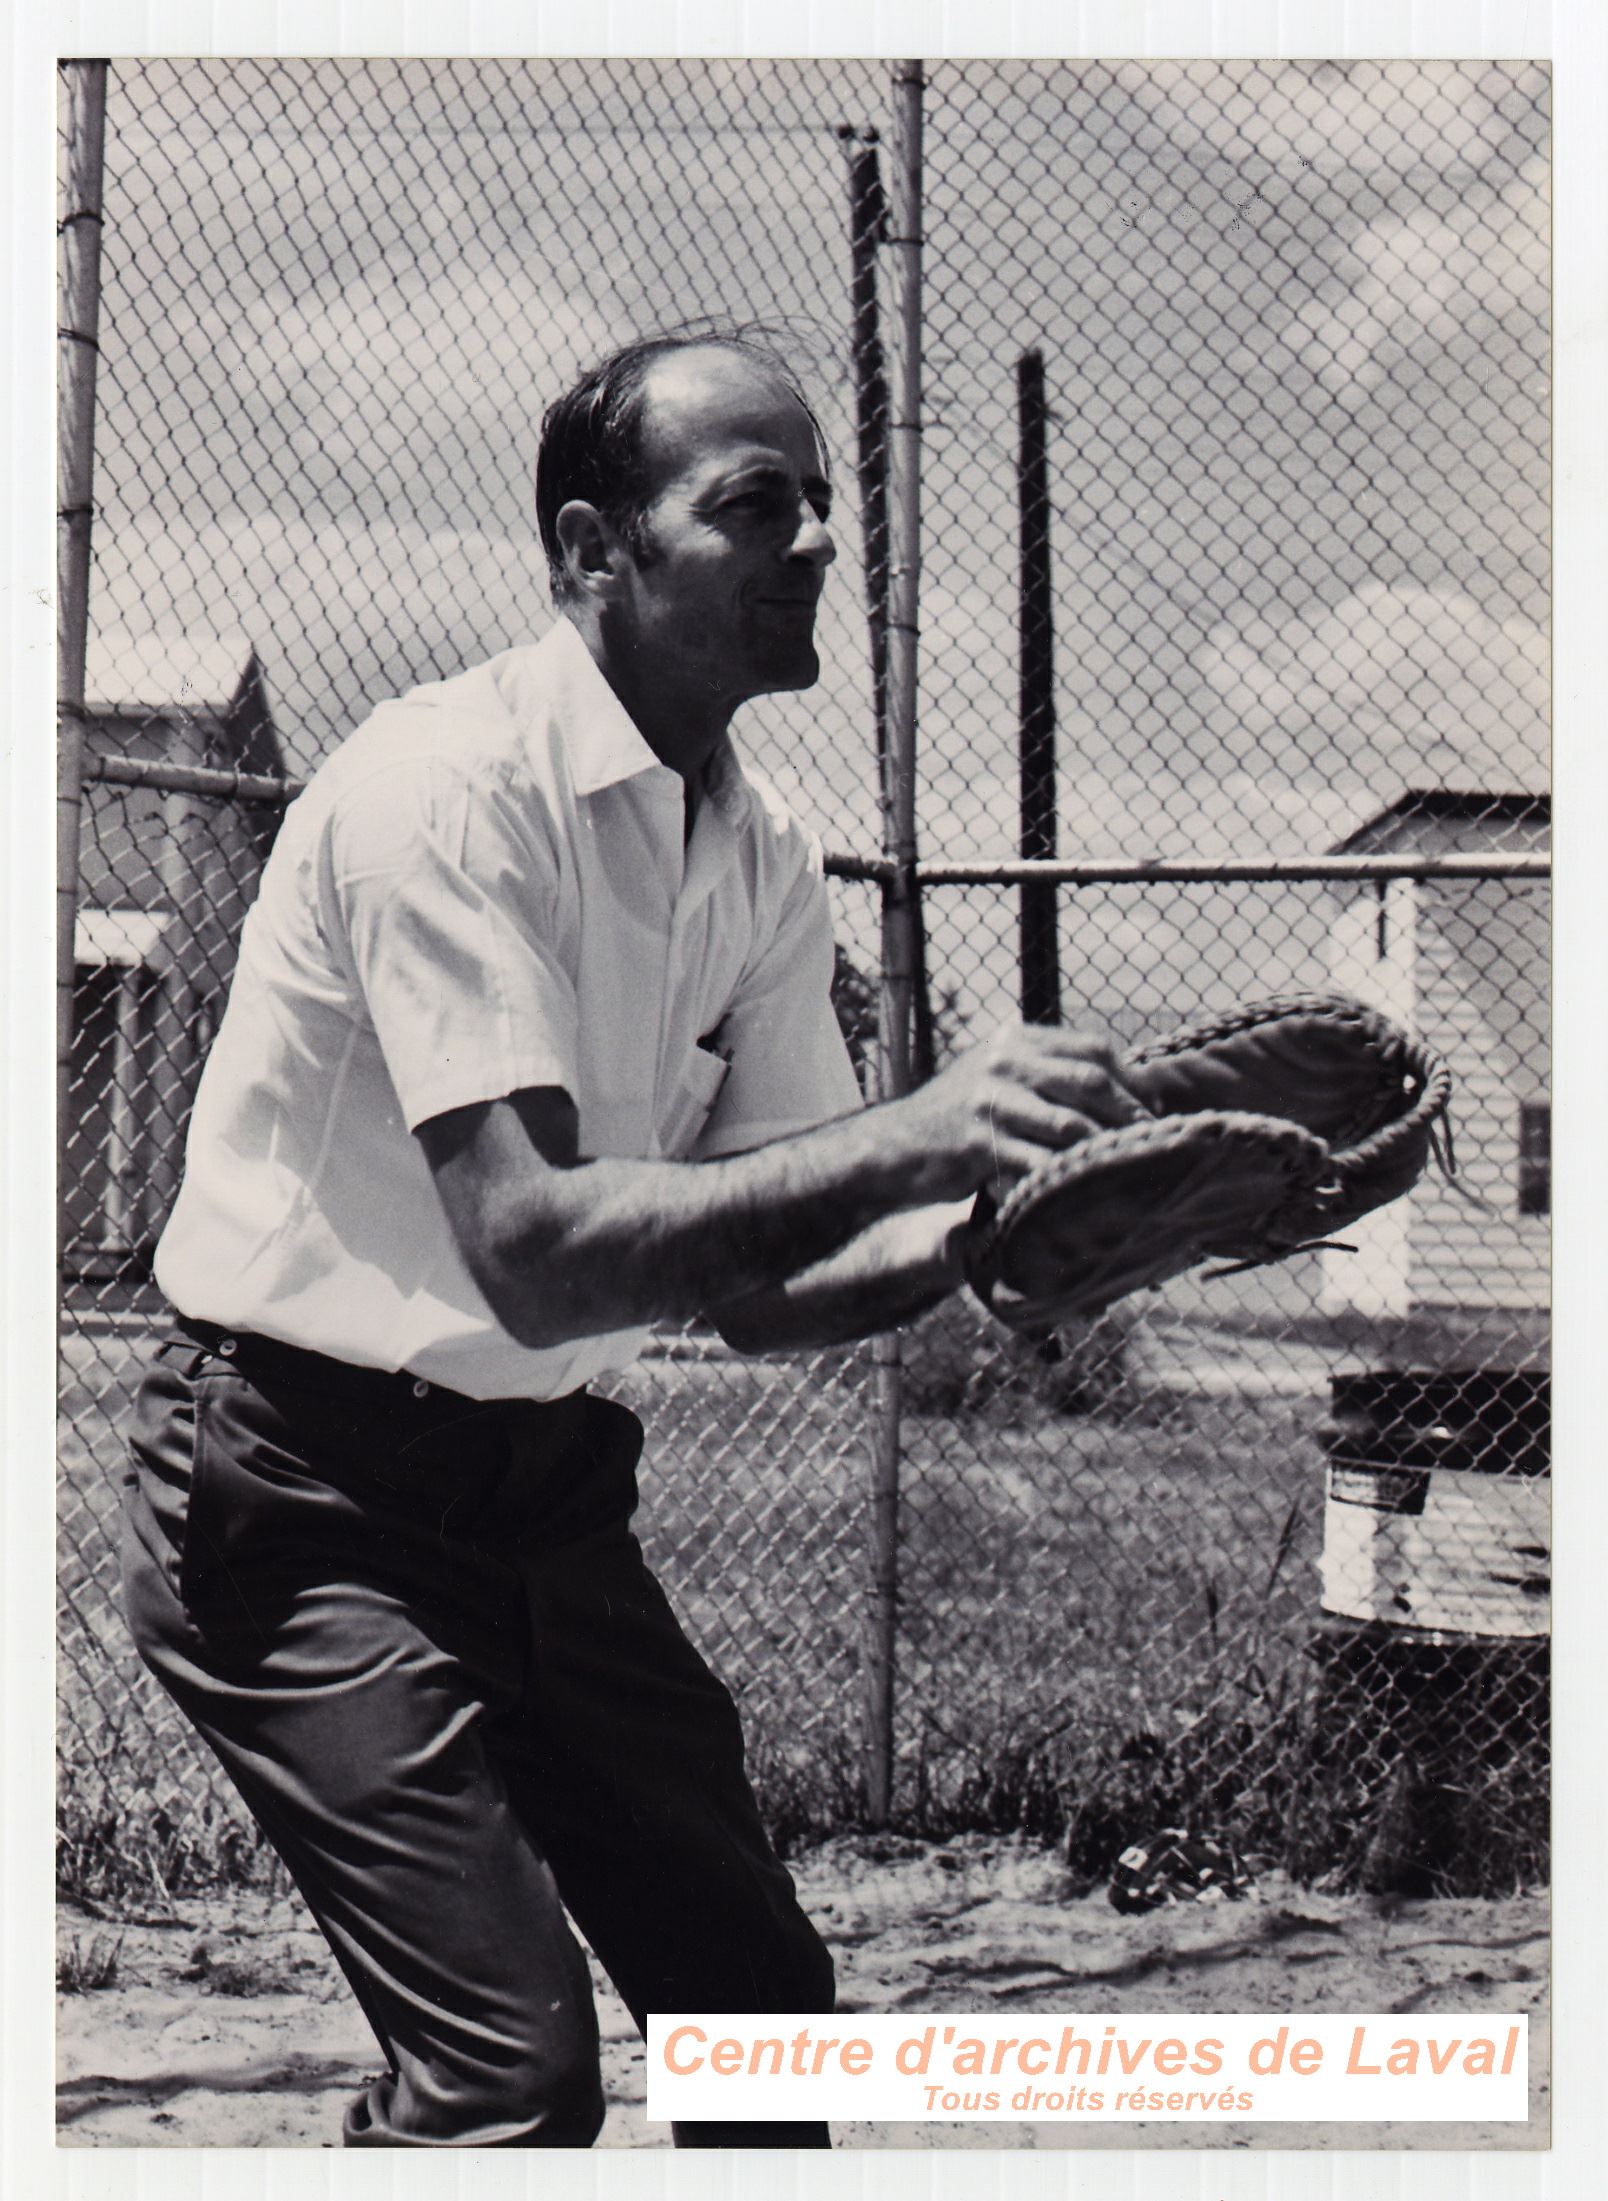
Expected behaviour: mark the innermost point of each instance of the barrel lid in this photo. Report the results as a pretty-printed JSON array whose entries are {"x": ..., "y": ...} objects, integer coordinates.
[{"x": 1481, "y": 1420}]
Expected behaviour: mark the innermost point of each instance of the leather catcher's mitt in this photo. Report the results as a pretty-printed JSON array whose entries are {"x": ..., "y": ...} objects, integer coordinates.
[{"x": 1275, "y": 1126}]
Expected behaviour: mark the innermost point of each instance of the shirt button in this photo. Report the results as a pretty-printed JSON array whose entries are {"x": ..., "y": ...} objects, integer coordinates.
[
  {"x": 228, "y": 1346},
  {"x": 421, "y": 1390}
]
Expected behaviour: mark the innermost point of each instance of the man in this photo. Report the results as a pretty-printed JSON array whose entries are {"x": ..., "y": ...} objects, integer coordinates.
[{"x": 529, "y": 1048}]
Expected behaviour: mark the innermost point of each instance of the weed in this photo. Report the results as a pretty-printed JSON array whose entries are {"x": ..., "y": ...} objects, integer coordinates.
[
  {"x": 117, "y": 1846},
  {"x": 244, "y": 1976},
  {"x": 82, "y": 1970}
]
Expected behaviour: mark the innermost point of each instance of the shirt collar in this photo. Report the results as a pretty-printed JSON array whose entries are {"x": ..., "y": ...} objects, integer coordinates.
[
  {"x": 601, "y": 739},
  {"x": 725, "y": 782}
]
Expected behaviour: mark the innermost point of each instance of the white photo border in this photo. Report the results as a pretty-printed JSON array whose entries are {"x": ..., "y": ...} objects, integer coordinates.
[{"x": 1574, "y": 35}]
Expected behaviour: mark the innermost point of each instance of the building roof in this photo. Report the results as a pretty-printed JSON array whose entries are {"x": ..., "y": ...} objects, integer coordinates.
[
  {"x": 1445, "y": 806},
  {"x": 151, "y": 674},
  {"x": 228, "y": 721}
]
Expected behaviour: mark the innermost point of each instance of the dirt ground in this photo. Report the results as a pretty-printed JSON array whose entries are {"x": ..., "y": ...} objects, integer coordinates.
[{"x": 227, "y": 2025}]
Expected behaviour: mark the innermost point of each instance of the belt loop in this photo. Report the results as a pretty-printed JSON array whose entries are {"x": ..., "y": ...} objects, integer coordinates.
[{"x": 269, "y": 1360}]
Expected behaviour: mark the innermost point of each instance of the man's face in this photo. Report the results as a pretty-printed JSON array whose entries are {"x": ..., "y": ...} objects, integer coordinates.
[{"x": 734, "y": 544}]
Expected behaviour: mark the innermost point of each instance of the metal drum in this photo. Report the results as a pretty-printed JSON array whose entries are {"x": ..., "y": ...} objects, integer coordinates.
[{"x": 1438, "y": 1505}]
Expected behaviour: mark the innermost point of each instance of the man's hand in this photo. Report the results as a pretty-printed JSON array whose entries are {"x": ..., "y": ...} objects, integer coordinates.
[{"x": 1030, "y": 1089}]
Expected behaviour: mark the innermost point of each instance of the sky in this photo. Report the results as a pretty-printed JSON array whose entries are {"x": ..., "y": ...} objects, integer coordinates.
[{"x": 1294, "y": 320}]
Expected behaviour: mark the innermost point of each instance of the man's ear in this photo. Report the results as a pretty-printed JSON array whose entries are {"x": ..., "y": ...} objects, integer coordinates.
[{"x": 594, "y": 550}]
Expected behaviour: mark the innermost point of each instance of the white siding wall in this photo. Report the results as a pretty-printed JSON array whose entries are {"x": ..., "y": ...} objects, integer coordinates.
[
  {"x": 1371, "y": 956},
  {"x": 1465, "y": 965},
  {"x": 1482, "y": 993}
]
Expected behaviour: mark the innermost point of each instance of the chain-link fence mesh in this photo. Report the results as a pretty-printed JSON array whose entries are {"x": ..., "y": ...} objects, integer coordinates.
[
  {"x": 1286, "y": 585},
  {"x": 1291, "y": 328},
  {"x": 1295, "y": 340}
]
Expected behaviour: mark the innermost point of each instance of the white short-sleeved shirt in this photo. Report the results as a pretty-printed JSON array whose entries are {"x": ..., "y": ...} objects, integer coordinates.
[{"x": 488, "y": 887}]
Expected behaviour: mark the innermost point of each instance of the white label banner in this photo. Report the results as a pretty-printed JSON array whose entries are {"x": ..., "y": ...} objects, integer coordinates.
[{"x": 1128, "y": 2068}]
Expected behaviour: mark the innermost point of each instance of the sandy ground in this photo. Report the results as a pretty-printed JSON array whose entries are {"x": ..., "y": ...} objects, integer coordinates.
[{"x": 227, "y": 2024}]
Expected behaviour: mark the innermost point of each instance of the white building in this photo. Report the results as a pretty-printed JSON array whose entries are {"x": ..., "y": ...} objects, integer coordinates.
[
  {"x": 1464, "y": 963},
  {"x": 164, "y": 882}
]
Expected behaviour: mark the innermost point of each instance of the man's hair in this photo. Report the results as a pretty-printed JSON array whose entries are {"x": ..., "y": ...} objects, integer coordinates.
[{"x": 592, "y": 436}]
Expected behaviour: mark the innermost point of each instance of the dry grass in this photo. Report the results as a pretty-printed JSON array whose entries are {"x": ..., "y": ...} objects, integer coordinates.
[
  {"x": 83, "y": 1968},
  {"x": 1107, "y": 1621}
]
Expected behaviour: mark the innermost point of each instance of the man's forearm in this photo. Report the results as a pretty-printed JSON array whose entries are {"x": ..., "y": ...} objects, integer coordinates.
[
  {"x": 885, "y": 1276},
  {"x": 565, "y": 1247},
  {"x": 610, "y": 1243}
]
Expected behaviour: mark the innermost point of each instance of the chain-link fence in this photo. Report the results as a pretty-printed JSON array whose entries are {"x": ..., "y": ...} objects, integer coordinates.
[{"x": 1233, "y": 607}]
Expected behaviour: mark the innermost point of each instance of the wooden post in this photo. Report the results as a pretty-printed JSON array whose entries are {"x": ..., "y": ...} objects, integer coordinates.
[
  {"x": 1041, "y": 972},
  {"x": 77, "y": 354},
  {"x": 899, "y": 932}
]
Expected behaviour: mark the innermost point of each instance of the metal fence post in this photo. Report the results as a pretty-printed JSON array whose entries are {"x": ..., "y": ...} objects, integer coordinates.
[
  {"x": 79, "y": 280},
  {"x": 899, "y": 939},
  {"x": 868, "y": 221}
]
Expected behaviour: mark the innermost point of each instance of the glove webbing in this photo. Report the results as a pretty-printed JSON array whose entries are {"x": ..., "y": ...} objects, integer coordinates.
[
  {"x": 1424, "y": 1070},
  {"x": 1420, "y": 1067},
  {"x": 1428, "y": 1117}
]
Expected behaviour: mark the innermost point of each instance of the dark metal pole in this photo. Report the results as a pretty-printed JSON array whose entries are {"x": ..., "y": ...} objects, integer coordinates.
[{"x": 1041, "y": 975}]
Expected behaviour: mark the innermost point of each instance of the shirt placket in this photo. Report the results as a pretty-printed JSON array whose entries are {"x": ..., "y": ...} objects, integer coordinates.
[
  {"x": 700, "y": 863},
  {"x": 671, "y": 849}
]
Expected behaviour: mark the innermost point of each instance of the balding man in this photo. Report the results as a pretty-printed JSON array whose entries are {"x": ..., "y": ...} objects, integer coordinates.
[{"x": 529, "y": 1048}]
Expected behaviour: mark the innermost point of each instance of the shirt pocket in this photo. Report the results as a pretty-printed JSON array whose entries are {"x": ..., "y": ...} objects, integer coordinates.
[{"x": 690, "y": 1101}]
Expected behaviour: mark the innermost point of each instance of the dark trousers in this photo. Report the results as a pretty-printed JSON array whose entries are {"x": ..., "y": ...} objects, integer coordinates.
[{"x": 421, "y": 1639}]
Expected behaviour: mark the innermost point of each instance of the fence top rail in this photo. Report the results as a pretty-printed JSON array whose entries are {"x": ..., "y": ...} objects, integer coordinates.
[
  {"x": 216, "y": 780},
  {"x": 225, "y": 785},
  {"x": 1142, "y": 870}
]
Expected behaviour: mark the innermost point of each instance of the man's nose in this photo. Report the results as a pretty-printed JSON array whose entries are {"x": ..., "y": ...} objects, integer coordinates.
[{"x": 813, "y": 538}]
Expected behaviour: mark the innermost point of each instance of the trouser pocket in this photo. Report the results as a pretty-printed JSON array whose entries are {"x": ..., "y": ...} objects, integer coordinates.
[
  {"x": 163, "y": 1438},
  {"x": 247, "y": 1499}
]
